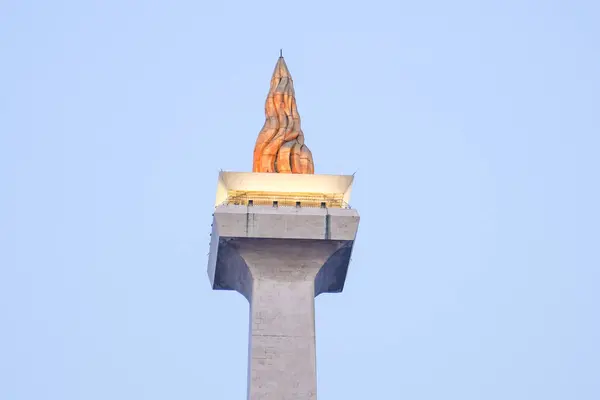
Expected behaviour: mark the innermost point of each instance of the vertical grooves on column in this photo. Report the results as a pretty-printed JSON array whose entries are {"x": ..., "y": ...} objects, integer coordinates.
[
  {"x": 327, "y": 225},
  {"x": 247, "y": 219}
]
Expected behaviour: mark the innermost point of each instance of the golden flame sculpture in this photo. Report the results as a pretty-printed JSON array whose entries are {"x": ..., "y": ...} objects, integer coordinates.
[{"x": 280, "y": 144}]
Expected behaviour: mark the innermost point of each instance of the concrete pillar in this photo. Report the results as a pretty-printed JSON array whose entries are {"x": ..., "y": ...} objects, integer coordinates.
[
  {"x": 280, "y": 258},
  {"x": 282, "y": 359}
]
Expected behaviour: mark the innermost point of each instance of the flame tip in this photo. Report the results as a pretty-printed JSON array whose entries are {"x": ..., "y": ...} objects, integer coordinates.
[{"x": 280, "y": 144}]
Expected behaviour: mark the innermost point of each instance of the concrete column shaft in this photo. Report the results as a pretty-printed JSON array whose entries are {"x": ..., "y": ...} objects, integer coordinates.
[{"x": 282, "y": 359}]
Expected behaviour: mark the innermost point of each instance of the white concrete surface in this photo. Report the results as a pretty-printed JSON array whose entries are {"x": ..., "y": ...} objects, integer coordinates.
[{"x": 280, "y": 258}]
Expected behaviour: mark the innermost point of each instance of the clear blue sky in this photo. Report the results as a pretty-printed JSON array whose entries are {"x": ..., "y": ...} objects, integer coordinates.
[{"x": 474, "y": 127}]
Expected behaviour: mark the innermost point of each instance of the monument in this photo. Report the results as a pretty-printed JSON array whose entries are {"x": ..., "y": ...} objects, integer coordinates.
[{"x": 281, "y": 235}]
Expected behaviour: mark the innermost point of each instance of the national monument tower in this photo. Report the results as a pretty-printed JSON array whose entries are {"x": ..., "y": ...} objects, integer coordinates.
[{"x": 281, "y": 235}]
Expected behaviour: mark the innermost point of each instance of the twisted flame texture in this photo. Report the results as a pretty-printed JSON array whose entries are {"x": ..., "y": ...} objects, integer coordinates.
[{"x": 280, "y": 143}]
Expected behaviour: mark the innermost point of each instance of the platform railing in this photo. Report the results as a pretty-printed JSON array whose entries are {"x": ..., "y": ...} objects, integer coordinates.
[{"x": 313, "y": 200}]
